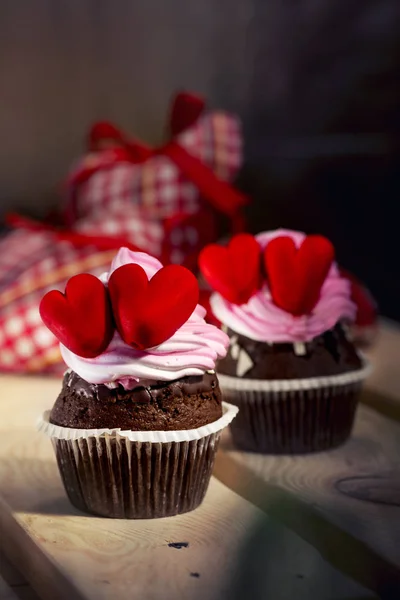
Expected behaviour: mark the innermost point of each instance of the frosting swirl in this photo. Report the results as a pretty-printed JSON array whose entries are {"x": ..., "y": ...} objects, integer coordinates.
[
  {"x": 261, "y": 320},
  {"x": 192, "y": 350}
]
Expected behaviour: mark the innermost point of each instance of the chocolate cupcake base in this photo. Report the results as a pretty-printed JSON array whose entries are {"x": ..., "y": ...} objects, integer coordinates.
[
  {"x": 293, "y": 417},
  {"x": 136, "y": 475}
]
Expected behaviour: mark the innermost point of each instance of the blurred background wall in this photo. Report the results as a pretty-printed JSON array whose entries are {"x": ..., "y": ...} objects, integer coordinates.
[{"x": 316, "y": 83}]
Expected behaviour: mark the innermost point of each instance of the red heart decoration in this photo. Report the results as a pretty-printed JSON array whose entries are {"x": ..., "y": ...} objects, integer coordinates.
[
  {"x": 149, "y": 312},
  {"x": 233, "y": 271},
  {"x": 296, "y": 276},
  {"x": 81, "y": 318}
]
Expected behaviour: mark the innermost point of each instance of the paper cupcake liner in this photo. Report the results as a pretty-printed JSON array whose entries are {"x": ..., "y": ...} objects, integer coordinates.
[
  {"x": 293, "y": 416},
  {"x": 288, "y": 385},
  {"x": 112, "y": 475}
]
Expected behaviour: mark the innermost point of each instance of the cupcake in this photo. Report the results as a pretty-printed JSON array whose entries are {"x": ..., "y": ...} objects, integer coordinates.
[
  {"x": 136, "y": 426},
  {"x": 291, "y": 368}
]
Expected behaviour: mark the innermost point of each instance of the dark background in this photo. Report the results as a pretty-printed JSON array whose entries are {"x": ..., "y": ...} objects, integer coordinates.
[{"x": 316, "y": 83}]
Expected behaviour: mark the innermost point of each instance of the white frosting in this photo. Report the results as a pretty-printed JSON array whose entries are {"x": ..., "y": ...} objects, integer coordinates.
[{"x": 124, "y": 257}]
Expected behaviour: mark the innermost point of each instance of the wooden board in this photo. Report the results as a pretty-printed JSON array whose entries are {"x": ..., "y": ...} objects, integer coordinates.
[
  {"x": 384, "y": 355},
  {"x": 345, "y": 502},
  {"x": 383, "y": 393},
  {"x": 9, "y": 573},
  {"x": 6, "y": 592},
  {"x": 14, "y": 579},
  {"x": 234, "y": 548}
]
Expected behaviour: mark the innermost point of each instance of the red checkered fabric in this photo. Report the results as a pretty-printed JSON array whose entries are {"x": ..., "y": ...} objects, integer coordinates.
[
  {"x": 127, "y": 221},
  {"x": 149, "y": 203},
  {"x": 157, "y": 186},
  {"x": 32, "y": 263},
  {"x": 138, "y": 201}
]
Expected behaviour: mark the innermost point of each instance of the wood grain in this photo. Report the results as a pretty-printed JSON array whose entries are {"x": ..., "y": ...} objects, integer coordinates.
[
  {"x": 20, "y": 592},
  {"x": 232, "y": 545},
  {"x": 9, "y": 573},
  {"x": 6, "y": 592},
  {"x": 347, "y": 498},
  {"x": 382, "y": 488},
  {"x": 384, "y": 355},
  {"x": 25, "y": 592},
  {"x": 359, "y": 543},
  {"x": 14, "y": 579},
  {"x": 383, "y": 392}
]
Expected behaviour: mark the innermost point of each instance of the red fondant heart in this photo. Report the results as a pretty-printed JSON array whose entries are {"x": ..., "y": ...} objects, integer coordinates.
[
  {"x": 296, "y": 276},
  {"x": 233, "y": 271},
  {"x": 149, "y": 312},
  {"x": 81, "y": 318}
]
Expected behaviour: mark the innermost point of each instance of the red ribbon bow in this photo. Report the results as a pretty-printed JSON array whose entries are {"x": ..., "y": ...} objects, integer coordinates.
[{"x": 115, "y": 146}]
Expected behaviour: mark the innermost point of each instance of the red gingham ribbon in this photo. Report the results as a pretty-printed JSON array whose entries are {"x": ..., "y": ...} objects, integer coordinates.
[{"x": 114, "y": 146}]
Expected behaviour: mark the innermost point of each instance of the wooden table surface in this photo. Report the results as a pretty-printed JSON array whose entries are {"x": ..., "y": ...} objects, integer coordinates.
[{"x": 323, "y": 526}]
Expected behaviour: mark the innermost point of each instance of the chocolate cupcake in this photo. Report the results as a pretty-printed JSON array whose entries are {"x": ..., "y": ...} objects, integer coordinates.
[
  {"x": 136, "y": 426},
  {"x": 291, "y": 368}
]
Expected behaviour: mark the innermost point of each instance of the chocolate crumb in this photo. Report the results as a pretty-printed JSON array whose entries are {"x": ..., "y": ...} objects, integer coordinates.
[
  {"x": 178, "y": 545},
  {"x": 195, "y": 575}
]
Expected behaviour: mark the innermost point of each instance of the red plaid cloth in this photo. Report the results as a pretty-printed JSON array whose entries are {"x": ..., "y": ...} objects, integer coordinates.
[
  {"x": 166, "y": 202},
  {"x": 147, "y": 197},
  {"x": 31, "y": 264},
  {"x": 157, "y": 188}
]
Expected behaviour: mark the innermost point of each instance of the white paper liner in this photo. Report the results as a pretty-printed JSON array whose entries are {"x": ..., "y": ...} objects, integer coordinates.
[
  {"x": 289, "y": 385},
  {"x": 293, "y": 422},
  {"x": 185, "y": 435}
]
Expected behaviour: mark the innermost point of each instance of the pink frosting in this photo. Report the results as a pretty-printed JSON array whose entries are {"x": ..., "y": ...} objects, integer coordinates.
[
  {"x": 192, "y": 350},
  {"x": 260, "y": 319}
]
